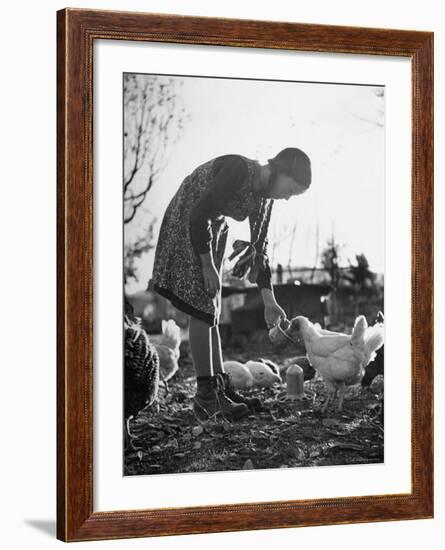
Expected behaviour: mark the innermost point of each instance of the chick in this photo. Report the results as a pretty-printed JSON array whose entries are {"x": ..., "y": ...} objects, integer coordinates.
[
  {"x": 273, "y": 366},
  {"x": 167, "y": 345},
  {"x": 263, "y": 375},
  {"x": 241, "y": 376}
]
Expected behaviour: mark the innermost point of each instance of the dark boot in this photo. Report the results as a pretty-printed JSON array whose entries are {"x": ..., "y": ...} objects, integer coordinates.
[
  {"x": 231, "y": 393},
  {"x": 211, "y": 401}
]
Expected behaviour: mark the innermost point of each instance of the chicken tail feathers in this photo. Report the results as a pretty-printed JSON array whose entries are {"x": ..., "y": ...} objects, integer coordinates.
[
  {"x": 374, "y": 339},
  {"x": 359, "y": 330}
]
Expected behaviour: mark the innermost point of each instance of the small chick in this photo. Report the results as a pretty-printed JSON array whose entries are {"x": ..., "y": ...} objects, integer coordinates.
[
  {"x": 263, "y": 375},
  {"x": 167, "y": 345},
  {"x": 241, "y": 376},
  {"x": 275, "y": 368}
]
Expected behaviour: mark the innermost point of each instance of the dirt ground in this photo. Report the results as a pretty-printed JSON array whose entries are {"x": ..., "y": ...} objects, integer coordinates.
[{"x": 285, "y": 435}]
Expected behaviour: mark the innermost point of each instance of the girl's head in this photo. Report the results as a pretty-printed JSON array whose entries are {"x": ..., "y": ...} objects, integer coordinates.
[{"x": 290, "y": 174}]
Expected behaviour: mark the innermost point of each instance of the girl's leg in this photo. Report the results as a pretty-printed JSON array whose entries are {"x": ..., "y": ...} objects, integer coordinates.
[
  {"x": 218, "y": 368},
  {"x": 217, "y": 358},
  {"x": 209, "y": 399},
  {"x": 201, "y": 346}
]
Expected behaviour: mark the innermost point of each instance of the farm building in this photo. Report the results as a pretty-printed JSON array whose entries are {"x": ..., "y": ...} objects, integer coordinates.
[
  {"x": 242, "y": 308},
  {"x": 295, "y": 299}
]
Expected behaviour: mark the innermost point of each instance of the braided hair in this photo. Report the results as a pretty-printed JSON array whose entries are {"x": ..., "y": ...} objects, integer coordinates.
[{"x": 294, "y": 163}]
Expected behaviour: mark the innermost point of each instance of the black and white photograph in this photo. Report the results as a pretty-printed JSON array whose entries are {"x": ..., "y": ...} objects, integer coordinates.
[
  {"x": 221, "y": 220},
  {"x": 253, "y": 267}
]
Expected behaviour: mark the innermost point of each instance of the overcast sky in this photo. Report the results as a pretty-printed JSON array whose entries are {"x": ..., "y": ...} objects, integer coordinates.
[{"x": 341, "y": 128}]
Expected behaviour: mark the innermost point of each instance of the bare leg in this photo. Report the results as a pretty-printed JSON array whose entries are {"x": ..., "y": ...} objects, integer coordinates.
[
  {"x": 217, "y": 358},
  {"x": 210, "y": 400},
  {"x": 201, "y": 346}
]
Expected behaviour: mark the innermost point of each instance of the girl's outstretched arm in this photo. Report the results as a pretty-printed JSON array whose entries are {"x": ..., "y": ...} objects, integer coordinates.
[{"x": 273, "y": 313}]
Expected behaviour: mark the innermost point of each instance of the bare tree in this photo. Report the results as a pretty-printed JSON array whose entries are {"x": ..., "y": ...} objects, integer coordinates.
[
  {"x": 330, "y": 260},
  {"x": 317, "y": 251},
  {"x": 136, "y": 248},
  {"x": 291, "y": 248},
  {"x": 362, "y": 280},
  {"x": 153, "y": 120}
]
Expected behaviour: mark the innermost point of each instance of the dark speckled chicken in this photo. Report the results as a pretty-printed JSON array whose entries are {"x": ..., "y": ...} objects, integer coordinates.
[{"x": 141, "y": 370}]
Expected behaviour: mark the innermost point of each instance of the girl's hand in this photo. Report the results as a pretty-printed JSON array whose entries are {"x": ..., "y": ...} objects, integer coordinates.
[
  {"x": 273, "y": 314},
  {"x": 212, "y": 282}
]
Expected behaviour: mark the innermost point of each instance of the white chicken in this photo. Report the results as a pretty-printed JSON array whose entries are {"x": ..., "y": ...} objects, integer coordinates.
[
  {"x": 241, "y": 376},
  {"x": 339, "y": 358},
  {"x": 264, "y": 376},
  {"x": 167, "y": 345}
]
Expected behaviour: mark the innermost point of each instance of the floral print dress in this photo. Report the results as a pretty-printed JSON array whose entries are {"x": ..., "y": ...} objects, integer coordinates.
[{"x": 195, "y": 222}]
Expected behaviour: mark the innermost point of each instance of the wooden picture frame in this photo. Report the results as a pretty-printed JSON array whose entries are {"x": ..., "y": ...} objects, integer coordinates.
[{"x": 76, "y": 32}]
